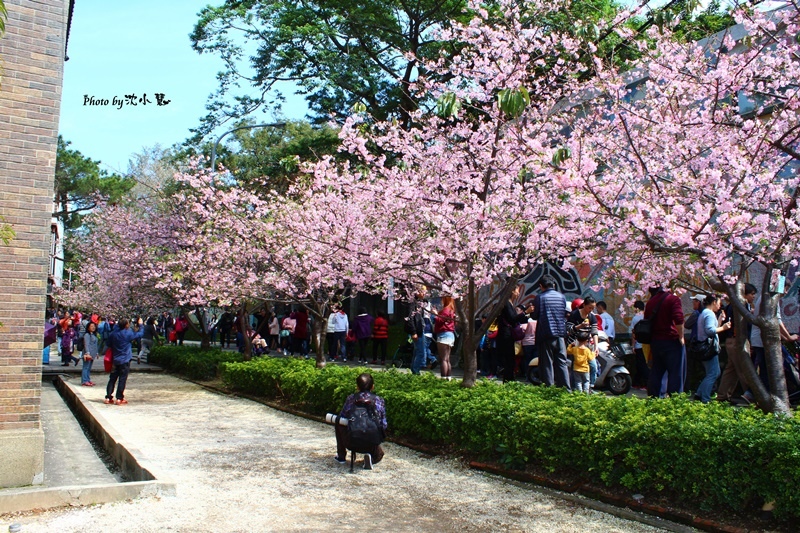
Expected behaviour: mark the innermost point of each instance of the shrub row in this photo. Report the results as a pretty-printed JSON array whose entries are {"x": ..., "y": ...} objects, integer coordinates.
[
  {"x": 190, "y": 361},
  {"x": 711, "y": 455}
]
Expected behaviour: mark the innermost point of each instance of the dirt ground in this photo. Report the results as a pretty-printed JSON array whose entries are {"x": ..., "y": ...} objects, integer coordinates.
[{"x": 242, "y": 466}]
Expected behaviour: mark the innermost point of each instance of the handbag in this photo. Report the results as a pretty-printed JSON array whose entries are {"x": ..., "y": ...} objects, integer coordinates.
[
  {"x": 704, "y": 350},
  {"x": 107, "y": 361}
]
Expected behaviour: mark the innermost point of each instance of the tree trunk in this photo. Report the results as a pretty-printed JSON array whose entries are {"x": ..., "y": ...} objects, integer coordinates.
[
  {"x": 472, "y": 336},
  {"x": 318, "y": 336},
  {"x": 248, "y": 346},
  {"x": 200, "y": 329},
  {"x": 468, "y": 348},
  {"x": 767, "y": 320},
  {"x": 205, "y": 337}
]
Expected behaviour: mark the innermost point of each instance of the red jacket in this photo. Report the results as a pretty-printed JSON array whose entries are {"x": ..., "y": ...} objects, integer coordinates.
[
  {"x": 181, "y": 325},
  {"x": 670, "y": 314},
  {"x": 445, "y": 321},
  {"x": 380, "y": 328}
]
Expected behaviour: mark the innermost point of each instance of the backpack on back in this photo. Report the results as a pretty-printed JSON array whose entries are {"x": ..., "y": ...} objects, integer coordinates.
[
  {"x": 364, "y": 426},
  {"x": 643, "y": 330}
]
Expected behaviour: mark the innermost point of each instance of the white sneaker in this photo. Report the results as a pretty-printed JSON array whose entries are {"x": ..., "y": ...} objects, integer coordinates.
[{"x": 367, "y": 462}]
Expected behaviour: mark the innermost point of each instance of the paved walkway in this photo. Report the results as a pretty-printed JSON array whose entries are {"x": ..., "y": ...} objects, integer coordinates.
[{"x": 241, "y": 466}]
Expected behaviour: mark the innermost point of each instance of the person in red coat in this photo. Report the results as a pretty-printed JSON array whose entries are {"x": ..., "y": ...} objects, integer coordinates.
[
  {"x": 667, "y": 352},
  {"x": 380, "y": 337},
  {"x": 301, "y": 332}
]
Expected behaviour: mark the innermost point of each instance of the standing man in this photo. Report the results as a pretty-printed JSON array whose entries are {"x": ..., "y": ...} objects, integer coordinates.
[
  {"x": 120, "y": 342},
  {"x": 340, "y": 326},
  {"x": 427, "y": 320},
  {"x": 607, "y": 320},
  {"x": 416, "y": 323},
  {"x": 551, "y": 328},
  {"x": 225, "y": 327},
  {"x": 665, "y": 312}
]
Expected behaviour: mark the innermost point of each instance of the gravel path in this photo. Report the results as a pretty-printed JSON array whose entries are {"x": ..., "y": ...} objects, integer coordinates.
[{"x": 241, "y": 466}]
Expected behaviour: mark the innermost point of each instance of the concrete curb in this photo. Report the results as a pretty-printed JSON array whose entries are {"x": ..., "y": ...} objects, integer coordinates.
[
  {"x": 131, "y": 461},
  {"x": 29, "y": 499}
]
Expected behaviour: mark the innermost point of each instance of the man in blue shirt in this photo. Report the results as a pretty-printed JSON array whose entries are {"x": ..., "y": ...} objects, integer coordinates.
[
  {"x": 551, "y": 328},
  {"x": 120, "y": 343}
]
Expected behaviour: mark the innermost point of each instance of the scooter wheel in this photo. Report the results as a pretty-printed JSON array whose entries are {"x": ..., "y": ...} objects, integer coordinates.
[
  {"x": 620, "y": 384},
  {"x": 533, "y": 375},
  {"x": 397, "y": 363}
]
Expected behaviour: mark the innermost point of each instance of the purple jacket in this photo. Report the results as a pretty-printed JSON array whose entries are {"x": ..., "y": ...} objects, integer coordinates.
[{"x": 363, "y": 326}]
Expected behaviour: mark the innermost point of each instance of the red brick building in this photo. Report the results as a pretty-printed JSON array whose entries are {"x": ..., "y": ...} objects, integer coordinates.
[{"x": 32, "y": 54}]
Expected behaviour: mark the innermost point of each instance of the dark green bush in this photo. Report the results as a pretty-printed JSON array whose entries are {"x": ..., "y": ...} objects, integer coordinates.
[
  {"x": 190, "y": 361},
  {"x": 711, "y": 455}
]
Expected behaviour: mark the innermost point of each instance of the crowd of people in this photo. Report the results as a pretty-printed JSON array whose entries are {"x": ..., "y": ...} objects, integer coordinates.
[
  {"x": 563, "y": 337},
  {"x": 85, "y": 337}
]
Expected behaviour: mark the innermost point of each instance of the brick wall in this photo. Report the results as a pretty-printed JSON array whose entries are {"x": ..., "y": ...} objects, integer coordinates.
[{"x": 32, "y": 55}]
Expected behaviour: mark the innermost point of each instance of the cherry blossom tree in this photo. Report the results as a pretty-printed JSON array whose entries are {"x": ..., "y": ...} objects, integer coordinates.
[
  {"x": 687, "y": 166},
  {"x": 465, "y": 195},
  {"x": 254, "y": 243},
  {"x": 115, "y": 256}
]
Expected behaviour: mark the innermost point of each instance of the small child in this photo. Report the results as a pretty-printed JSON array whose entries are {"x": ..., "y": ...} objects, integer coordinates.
[{"x": 581, "y": 355}]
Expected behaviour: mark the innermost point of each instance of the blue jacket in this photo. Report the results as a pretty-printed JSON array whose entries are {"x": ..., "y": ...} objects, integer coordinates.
[
  {"x": 120, "y": 342},
  {"x": 550, "y": 315}
]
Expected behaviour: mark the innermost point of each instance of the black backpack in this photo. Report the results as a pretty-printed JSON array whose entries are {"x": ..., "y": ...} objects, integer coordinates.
[
  {"x": 643, "y": 330},
  {"x": 364, "y": 426}
]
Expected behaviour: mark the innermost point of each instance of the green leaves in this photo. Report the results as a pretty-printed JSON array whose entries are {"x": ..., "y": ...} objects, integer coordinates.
[
  {"x": 589, "y": 32},
  {"x": 3, "y": 17},
  {"x": 561, "y": 155},
  {"x": 513, "y": 102},
  {"x": 448, "y": 105},
  {"x": 6, "y": 232}
]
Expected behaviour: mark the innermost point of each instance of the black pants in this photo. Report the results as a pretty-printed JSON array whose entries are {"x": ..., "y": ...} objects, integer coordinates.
[
  {"x": 343, "y": 442},
  {"x": 488, "y": 361},
  {"x": 505, "y": 349},
  {"x": 379, "y": 343},
  {"x": 332, "y": 344},
  {"x": 121, "y": 372},
  {"x": 362, "y": 349},
  {"x": 224, "y": 337},
  {"x": 642, "y": 371},
  {"x": 300, "y": 346}
]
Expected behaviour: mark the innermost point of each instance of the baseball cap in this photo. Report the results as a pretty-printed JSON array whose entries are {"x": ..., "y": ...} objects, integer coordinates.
[{"x": 698, "y": 297}]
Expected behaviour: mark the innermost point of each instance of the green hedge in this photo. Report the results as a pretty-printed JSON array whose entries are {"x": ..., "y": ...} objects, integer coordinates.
[
  {"x": 190, "y": 361},
  {"x": 712, "y": 455}
]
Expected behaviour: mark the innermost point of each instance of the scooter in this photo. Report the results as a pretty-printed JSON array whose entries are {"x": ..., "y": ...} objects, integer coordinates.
[{"x": 611, "y": 372}]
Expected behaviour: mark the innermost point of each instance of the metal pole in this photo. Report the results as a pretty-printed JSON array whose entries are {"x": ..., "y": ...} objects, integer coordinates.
[{"x": 214, "y": 148}]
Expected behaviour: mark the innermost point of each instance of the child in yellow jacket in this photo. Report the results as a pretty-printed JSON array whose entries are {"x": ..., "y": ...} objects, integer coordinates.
[{"x": 581, "y": 355}]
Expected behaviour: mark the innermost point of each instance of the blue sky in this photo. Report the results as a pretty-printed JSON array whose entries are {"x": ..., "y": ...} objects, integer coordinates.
[{"x": 141, "y": 47}]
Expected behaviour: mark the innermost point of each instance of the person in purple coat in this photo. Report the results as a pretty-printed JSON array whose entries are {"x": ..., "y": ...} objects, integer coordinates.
[
  {"x": 363, "y": 330},
  {"x": 67, "y": 344}
]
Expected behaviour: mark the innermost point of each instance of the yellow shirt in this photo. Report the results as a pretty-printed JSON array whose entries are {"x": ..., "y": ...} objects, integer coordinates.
[{"x": 581, "y": 355}]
